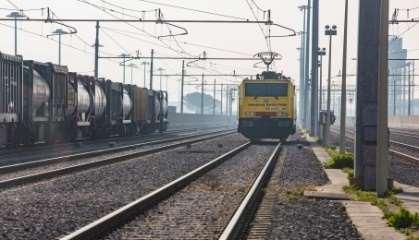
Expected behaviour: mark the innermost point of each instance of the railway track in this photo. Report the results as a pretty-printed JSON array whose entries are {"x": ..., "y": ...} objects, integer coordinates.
[
  {"x": 31, "y": 153},
  {"x": 52, "y": 208},
  {"x": 171, "y": 195},
  {"x": 409, "y": 157},
  {"x": 30, "y": 172}
]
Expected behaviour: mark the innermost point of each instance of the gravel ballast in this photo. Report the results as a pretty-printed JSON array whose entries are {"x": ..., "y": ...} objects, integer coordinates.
[
  {"x": 58, "y": 165},
  {"x": 51, "y": 209},
  {"x": 292, "y": 215},
  {"x": 203, "y": 208}
]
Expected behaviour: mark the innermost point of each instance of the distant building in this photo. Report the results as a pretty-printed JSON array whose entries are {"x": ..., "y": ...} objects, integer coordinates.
[{"x": 399, "y": 78}]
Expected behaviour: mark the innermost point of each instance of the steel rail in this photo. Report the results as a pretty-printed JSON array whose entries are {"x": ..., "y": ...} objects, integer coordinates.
[
  {"x": 94, "y": 153},
  {"x": 412, "y": 159},
  {"x": 115, "y": 219},
  {"x": 392, "y": 132},
  {"x": 85, "y": 166},
  {"x": 41, "y": 147},
  {"x": 241, "y": 219}
]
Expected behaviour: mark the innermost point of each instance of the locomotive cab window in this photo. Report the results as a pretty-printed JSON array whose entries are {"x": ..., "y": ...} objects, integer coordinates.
[{"x": 266, "y": 90}]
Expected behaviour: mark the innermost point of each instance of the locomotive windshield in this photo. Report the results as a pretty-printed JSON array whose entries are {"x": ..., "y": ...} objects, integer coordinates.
[{"x": 266, "y": 90}]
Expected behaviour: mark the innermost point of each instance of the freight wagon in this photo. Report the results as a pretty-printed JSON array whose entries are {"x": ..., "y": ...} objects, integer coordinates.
[{"x": 45, "y": 103}]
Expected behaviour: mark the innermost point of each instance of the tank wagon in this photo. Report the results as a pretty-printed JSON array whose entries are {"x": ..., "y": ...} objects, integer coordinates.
[
  {"x": 45, "y": 103},
  {"x": 267, "y": 107}
]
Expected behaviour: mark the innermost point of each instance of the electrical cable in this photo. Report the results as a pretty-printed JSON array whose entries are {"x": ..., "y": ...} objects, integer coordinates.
[
  {"x": 115, "y": 41},
  {"x": 267, "y": 40},
  {"x": 14, "y": 5},
  {"x": 127, "y": 9},
  {"x": 51, "y": 39},
  {"x": 407, "y": 30},
  {"x": 191, "y": 9},
  {"x": 186, "y": 43},
  {"x": 257, "y": 6},
  {"x": 129, "y": 24}
]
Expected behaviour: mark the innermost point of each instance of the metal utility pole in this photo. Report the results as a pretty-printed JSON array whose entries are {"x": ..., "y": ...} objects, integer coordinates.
[
  {"x": 160, "y": 69},
  {"x": 413, "y": 83},
  {"x": 227, "y": 100},
  {"x": 132, "y": 66},
  {"x": 124, "y": 64},
  {"x": 151, "y": 69},
  {"x": 409, "y": 98},
  {"x": 145, "y": 73},
  {"x": 16, "y": 16},
  {"x": 330, "y": 31},
  {"x": 221, "y": 96},
  {"x": 214, "y": 97},
  {"x": 372, "y": 140},
  {"x": 59, "y": 32},
  {"x": 307, "y": 66},
  {"x": 321, "y": 53},
  {"x": 182, "y": 86},
  {"x": 314, "y": 71},
  {"x": 202, "y": 94},
  {"x": 97, "y": 50},
  {"x": 302, "y": 95},
  {"x": 343, "y": 94}
]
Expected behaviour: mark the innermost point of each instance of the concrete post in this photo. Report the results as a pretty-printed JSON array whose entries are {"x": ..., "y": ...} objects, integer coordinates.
[
  {"x": 307, "y": 66},
  {"x": 302, "y": 95},
  {"x": 314, "y": 71},
  {"x": 371, "y": 142},
  {"x": 343, "y": 94}
]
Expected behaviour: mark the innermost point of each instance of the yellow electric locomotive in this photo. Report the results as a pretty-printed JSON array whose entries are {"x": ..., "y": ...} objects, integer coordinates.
[{"x": 267, "y": 107}]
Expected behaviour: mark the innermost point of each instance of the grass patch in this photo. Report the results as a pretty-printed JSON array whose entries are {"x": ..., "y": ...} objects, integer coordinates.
[
  {"x": 403, "y": 219},
  {"x": 339, "y": 160},
  {"x": 295, "y": 194}
]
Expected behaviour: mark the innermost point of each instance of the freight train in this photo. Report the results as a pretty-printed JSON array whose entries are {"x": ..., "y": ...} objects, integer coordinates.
[
  {"x": 267, "y": 107},
  {"x": 45, "y": 103}
]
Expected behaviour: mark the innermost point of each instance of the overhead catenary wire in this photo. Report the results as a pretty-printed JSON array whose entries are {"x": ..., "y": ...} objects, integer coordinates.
[
  {"x": 127, "y": 9},
  {"x": 51, "y": 39},
  {"x": 257, "y": 6},
  {"x": 13, "y": 4},
  {"x": 267, "y": 40},
  {"x": 109, "y": 11},
  {"x": 185, "y": 42},
  {"x": 125, "y": 50},
  {"x": 192, "y": 9},
  {"x": 129, "y": 24}
]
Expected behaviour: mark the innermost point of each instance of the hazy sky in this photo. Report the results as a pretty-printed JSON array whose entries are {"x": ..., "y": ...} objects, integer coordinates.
[{"x": 244, "y": 40}]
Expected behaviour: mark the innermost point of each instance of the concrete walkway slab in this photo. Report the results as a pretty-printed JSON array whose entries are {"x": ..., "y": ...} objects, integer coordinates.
[
  {"x": 369, "y": 222},
  {"x": 337, "y": 179}
]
